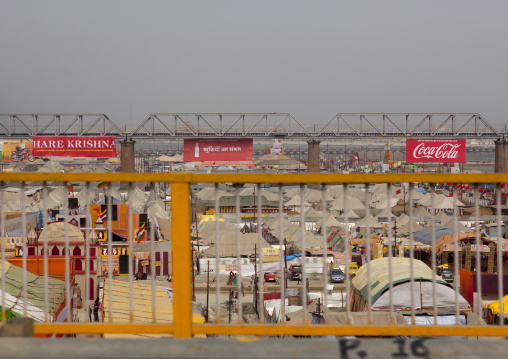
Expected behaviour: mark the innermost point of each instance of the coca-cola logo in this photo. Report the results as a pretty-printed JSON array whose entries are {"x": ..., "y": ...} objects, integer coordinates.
[{"x": 444, "y": 151}]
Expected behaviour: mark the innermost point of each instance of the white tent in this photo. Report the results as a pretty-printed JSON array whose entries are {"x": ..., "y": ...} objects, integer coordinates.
[
  {"x": 157, "y": 209},
  {"x": 295, "y": 201},
  {"x": 86, "y": 195},
  {"x": 444, "y": 203},
  {"x": 381, "y": 201},
  {"x": 441, "y": 217},
  {"x": 314, "y": 195},
  {"x": 385, "y": 213},
  {"x": 402, "y": 219},
  {"x": 352, "y": 203},
  {"x": 372, "y": 222},
  {"x": 335, "y": 191},
  {"x": 404, "y": 229},
  {"x": 228, "y": 245},
  {"x": 311, "y": 240},
  {"x": 421, "y": 214},
  {"x": 331, "y": 221},
  {"x": 206, "y": 230},
  {"x": 350, "y": 215},
  {"x": 312, "y": 215}
]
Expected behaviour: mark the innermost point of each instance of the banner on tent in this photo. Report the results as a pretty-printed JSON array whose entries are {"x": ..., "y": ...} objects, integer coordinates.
[{"x": 271, "y": 254}]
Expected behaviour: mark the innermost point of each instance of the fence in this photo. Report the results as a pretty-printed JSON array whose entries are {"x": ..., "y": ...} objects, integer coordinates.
[{"x": 181, "y": 322}]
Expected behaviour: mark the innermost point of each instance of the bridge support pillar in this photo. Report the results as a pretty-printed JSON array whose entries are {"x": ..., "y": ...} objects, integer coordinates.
[
  {"x": 501, "y": 159},
  {"x": 127, "y": 159},
  {"x": 313, "y": 165}
]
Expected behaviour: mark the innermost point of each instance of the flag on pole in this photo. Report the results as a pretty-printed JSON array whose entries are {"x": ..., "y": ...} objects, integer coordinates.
[
  {"x": 140, "y": 233},
  {"x": 102, "y": 184},
  {"x": 398, "y": 191},
  {"x": 102, "y": 215},
  {"x": 71, "y": 188},
  {"x": 502, "y": 185}
]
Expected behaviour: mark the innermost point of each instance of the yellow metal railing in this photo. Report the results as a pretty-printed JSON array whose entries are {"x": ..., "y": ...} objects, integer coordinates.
[{"x": 180, "y": 226}]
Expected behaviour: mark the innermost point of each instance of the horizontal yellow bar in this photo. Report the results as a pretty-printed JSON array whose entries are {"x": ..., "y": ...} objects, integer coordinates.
[
  {"x": 268, "y": 330},
  {"x": 327, "y": 178},
  {"x": 96, "y": 328},
  {"x": 376, "y": 331}
]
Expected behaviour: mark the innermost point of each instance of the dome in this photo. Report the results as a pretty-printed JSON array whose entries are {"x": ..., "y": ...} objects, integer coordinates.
[{"x": 56, "y": 232}]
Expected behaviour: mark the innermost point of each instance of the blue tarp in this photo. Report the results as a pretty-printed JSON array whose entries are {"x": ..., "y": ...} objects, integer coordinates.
[
  {"x": 425, "y": 235},
  {"x": 421, "y": 190},
  {"x": 293, "y": 256}
]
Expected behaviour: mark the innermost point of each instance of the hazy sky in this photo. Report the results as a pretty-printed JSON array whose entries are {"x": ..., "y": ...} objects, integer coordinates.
[{"x": 313, "y": 59}]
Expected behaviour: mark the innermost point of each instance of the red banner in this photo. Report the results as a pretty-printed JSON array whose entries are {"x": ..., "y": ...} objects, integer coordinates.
[
  {"x": 213, "y": 149},
  {"x": 444, "y": 151},
  {"x": 74, "y": 146}
]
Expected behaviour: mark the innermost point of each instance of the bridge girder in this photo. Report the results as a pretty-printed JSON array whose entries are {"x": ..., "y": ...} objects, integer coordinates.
[{"x": 252, "y": 125}]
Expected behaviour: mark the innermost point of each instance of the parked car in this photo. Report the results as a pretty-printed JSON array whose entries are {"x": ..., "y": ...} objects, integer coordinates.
[
  {"x": 336, "y": 276},
  {"x": 445, "y": 272},
  {"x": 295, "y": 271},
  {"x": 357, "y": 258},
  {"x": 270, "y": 277},
  {"x": 353, "y": 268}
]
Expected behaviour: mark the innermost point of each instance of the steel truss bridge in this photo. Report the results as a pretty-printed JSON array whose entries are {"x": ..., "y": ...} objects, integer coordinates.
[{"x": 255, "y": 125}]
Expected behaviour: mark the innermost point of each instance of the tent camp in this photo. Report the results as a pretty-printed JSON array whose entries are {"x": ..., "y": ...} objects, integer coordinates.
[
  {"x": 228, "y": 246},
  {"x": 207, "y": 230},
  {"x": 279, "y": 161}
]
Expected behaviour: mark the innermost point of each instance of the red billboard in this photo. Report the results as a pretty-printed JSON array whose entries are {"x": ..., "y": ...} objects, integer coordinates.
[
  {"x": 74, "y": 146},
  {"x": 435, "y": 150},
  {"x": 217, "y": 149}
]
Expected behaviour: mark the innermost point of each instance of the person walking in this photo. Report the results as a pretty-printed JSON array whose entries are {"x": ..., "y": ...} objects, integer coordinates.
[{"x": 307, "y": 284}]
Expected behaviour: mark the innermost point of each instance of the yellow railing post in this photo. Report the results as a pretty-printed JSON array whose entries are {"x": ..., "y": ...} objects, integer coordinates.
[{"x": 180, "y": 238}]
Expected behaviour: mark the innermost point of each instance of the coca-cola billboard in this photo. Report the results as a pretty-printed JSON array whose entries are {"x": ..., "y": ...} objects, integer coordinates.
[
  {"x": 213, "y": 149},
  {"x": 435, "y": 150}
]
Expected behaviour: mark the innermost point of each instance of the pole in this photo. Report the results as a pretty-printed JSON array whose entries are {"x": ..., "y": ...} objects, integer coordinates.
[
  {"x": 192, "y": 262},
  {"x": 404, "y": 200},
  {"x": 255, "y": 276},
  {"x": 207, "y": 290},
  {"x": 229, "y": 306},
  {"x": 285, "y": 263},
  {"x": 255, "y": 209},
  {"x": 255, "y": 262}
]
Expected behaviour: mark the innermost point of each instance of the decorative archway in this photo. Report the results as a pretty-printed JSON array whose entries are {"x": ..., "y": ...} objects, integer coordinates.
[
  {"x": 76, "y": 251},
  {"x": 91, "y": 289},
  {"x": 55, "y": 251}
]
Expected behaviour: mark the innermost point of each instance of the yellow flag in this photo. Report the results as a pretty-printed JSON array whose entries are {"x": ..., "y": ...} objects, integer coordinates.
[{"x": 291, "y": 238}]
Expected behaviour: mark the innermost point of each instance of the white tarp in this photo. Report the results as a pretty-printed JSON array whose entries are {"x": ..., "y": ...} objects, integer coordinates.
[{"x": 422, "y": 296}]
